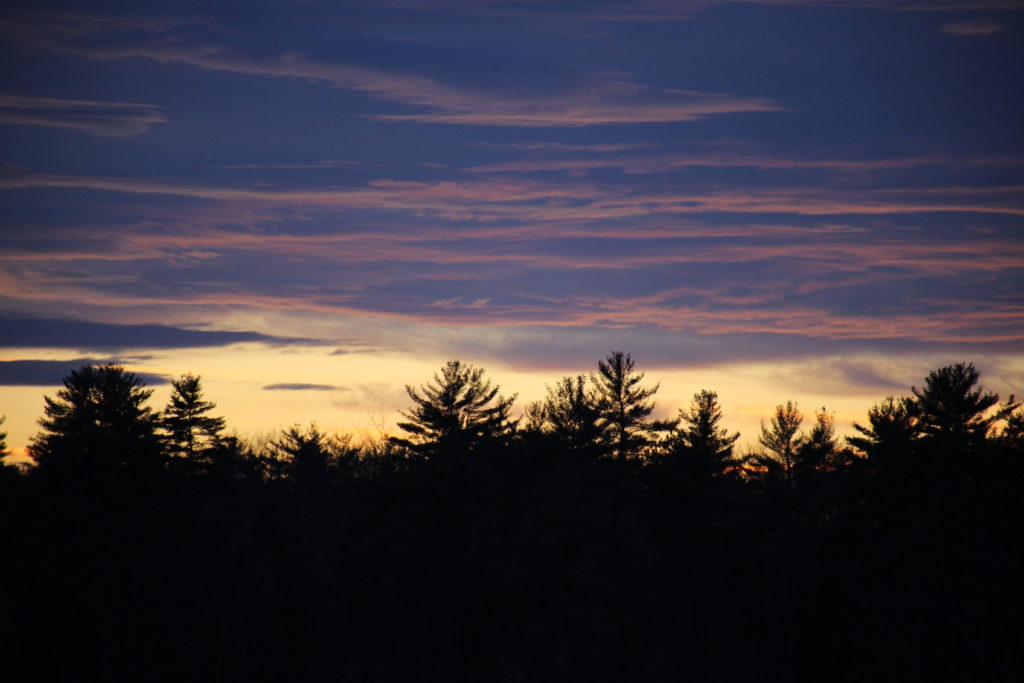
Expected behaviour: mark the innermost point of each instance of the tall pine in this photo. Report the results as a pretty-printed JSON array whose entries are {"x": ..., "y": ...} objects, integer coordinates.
[
  {"x": 625, "y": 405},
  {"x": 190, "y": 431}
]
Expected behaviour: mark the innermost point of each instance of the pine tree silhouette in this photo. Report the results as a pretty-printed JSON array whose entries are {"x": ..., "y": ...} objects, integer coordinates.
[
  {"x": 190, "y": 430},
  {"x": 456, "y": 413},
  {"x": 624, "y": 406},
  {"x": 97, "y": 424}
]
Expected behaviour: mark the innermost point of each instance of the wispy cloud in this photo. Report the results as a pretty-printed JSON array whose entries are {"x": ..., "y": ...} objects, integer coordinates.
[
  {"x": 609, "y": 98},
  {"x": 973, "y": 27},
  {"x": 533, "y": 200},
  {"x": 326, "y": 163},
  {"x": 299, "y": 386},
  {"x": 457, "y": 302},
  {"x": 646, "y": 11},
  {"x": 772, "y": 279},
  {"x": 663, "y": 163},
  {"x": 610, "y": 101},
  {"x": 111, "y": 119}
]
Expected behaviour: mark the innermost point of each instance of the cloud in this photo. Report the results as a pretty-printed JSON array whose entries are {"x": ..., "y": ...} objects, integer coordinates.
[
  {"x": 355, "y": 347},
  {"x": 665, "y": 163},
  {"x": 77, "y": 334},
  {"x": 303, "y": 387},
  {"x": 611, "y": 101},
  {"x": 566, "y": 16},
  {"x": 608, "y": 98},
  {"x": 530, "y": 200},
  {"x": 47, "y": 373},
  {"x": 110, "y": 119},
  {"x": 326, "y": 163},
  {"x": 579, "y": 348},
  {"x": 973, "y": 27},
  {"x": 566, "y": 147},
  {"x": 457, "y": 302}
]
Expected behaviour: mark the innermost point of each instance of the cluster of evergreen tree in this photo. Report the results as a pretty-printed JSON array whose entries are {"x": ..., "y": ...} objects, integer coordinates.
[{"x": 583, "y": 541}]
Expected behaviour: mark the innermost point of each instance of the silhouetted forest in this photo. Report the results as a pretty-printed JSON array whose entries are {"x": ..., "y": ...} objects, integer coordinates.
[{"x": 585, "y": 541}]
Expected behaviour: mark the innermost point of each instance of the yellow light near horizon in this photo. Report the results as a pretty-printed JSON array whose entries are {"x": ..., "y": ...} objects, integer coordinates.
[{"x": 364, "y": 392}]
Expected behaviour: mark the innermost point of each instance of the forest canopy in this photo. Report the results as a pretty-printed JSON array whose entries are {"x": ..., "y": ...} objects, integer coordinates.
[
  {"x": 100, "y": 422},
  {"x": 583, "y": 541}
]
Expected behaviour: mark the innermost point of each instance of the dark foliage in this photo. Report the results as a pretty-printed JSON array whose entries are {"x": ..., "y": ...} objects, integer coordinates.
[
  {"x": 700, "y": 445},
  {"x": 569, "y": 416},
  {"x": 891, "y": 432},
  {"x": 306, "y": 558},
  {"x": 953, "y": 413},
  {"x": 190, "y": 431},
  {"x": 98, "y": 425},
  {"x": 624, "y": 406},
  {"x": 458, "y": 412},
  {"x": 780, "y": 438}
]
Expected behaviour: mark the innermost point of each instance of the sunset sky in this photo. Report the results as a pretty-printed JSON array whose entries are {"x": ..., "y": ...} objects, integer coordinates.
[{"x": 312, "y": 204}]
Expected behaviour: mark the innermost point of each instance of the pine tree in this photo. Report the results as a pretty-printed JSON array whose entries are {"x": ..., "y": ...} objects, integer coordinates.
[
  {"x": 624, "y": 406},
  {"x": 953, "y": 413},
  {"x": 97, "y": 425},
  {"x": 1011, "y": 437},
  {"x": 190, "y": 430},
  {"x": 819, "y": 449},
  {"x": 310, "y": 457},
  {"x": 891, "y": 430},
  {"x": 569, "y": 414},
  {"x": 456, "y": 413},
  {"x": 780, "y": 438},
  {"x": 699, "y": 441}
]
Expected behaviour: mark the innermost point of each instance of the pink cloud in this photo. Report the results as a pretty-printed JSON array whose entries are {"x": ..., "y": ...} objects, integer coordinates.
[
  {"x": 111, "y": 119},
  {"x": 535, "y": 201},
  {"x": 325, "y": 163},
  {"x": 607, "y": 99},
  {"x": 973, "y": 27}
]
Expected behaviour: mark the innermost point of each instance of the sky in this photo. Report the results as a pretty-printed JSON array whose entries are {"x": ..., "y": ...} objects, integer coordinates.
[{"x": 312, "y": 204}]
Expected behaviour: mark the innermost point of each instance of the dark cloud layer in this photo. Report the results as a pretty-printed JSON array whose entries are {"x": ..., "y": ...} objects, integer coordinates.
[
  {"x": 47, "y": 373},
  {"x": 76, "y": 334}
]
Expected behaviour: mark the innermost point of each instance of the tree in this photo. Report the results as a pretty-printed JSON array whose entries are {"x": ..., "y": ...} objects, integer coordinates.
[
  {"x": 310, "y": 457},
  {"x": 190, "y": 429},
  {"x": 699, "y": 439},
  {"x": 625, "y": 405},
  {"x": 819, "y": 449},
  {"x": 6, "y": 470},
  {"x": 780, "y": 438},
  {"x": 891, "y": 431},
  {"x": 953, "y": 414},
  {"x": 1011, "y": 437},
  {"x": 98, "y": 423},
  {"x": 231, "y": 458},
  {"x": 456, "y": 413},
  {"x": 569, "y": 414}
]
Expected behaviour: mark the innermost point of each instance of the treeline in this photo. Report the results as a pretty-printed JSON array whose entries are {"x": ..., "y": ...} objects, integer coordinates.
[
  {"x": 100, "y": 425},
  {"x": 583, "y": 541}
]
